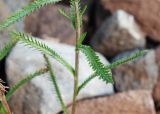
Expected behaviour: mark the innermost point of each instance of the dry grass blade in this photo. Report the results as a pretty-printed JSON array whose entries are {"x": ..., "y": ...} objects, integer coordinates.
[{"x": 3, "y": 98}]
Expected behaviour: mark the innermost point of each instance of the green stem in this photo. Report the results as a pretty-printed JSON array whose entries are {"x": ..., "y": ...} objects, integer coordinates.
[
  {"x": 56, "y": 85},
  {"x": 78, "y": 32}
]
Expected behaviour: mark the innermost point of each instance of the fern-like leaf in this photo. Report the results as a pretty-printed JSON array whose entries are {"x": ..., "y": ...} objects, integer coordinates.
[
  {"x": 72, "y": 13},
  {"x": 114, "y": 65},
  {"x": 127, "y": 59},
  {"x": 24, "y": 81},
  {"x": 82, "y": 37},
  {"x": 53, "y": 78},
  {"x": 62, "y": 12},
  {"x": 7, "y": 48},
  {"x": 25, "y": 12},
  {"x": 33, "y": 43},
  {"x": 96, "y": 65},
  {"x": 84, "y": 10}
]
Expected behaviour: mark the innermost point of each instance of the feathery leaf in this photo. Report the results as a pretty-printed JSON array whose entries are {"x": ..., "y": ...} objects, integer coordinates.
[
  {"x": 84, "y": 10},
  {"x": 7, "y": 48},
  {"x": 127, "y": 59},
  {"x": 72, "y": 13},
  {"x": 53, "y": 78},
  {"x": 33, "y": 43},
  {"x": 82, "y": 37},
  {"x": 96, "y": 65},
  {"x": 24, "y": 81},
  {"x": 62, "y": 12},
  {"x": 113, "y": 65},
  {"x": 25, "y": 12}
]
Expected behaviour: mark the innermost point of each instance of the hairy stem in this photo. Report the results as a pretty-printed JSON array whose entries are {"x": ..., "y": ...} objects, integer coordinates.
[
  {"x": 8, "y": 47},
  {"x": 78, "y": 32},
  {"x": 53, "y": 78}
]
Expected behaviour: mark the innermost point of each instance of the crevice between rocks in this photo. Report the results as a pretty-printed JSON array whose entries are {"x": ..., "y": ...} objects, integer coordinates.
[{"x": 3, "y": 74}]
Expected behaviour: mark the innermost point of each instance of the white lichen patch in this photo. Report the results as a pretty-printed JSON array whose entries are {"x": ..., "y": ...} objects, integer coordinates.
[{"x": 127, "y": 21}]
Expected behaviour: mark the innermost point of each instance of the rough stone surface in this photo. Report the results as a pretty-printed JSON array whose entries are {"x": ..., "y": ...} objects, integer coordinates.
[
  {"x": 117, "y": 34},
  {"x": 133, "y": 102},
  {"x": 3, "y": 9},
  {"x": 140, "y": 74},
  {"x": 156, "y": 95},
  {"x": 4, "y": 38},
  {"x": 146, "y": 13},
  {"x": 39, "y": 93},
  {"x": 156, "y": 90},
  {"x": 7, "y": 8},
  {"x": 48, "y": 22},
  {"x": 27, "y": 100}
]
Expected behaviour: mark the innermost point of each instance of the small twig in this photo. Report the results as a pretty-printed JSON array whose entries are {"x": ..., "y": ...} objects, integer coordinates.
[{"x": 3, "y": 97}]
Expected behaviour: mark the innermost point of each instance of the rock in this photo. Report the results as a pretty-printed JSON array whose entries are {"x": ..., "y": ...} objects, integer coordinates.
[
  {"x": 156, "y": 90},
  {"x": 3, "y": 9},
  {"x": 48, "y": 22},
  {"x": 140, "y": 74},
  {"x": 156, "y": 95},
  {"x": 4, "y": 13},
  {"x": 7, "y": 8},
  {"x": 38, "y": 96},
  {"x": 118, "y": 34},
  {"x": 146, "y": 12},
  {"x": 133, "y": 102},
  {"x": 4, "y": 38}
]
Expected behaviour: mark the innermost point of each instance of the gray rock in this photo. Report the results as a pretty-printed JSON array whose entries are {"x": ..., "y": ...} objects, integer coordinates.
[
  {"x": 117, "y": 34},
  {"x": 156, "y": 95},
  {"x": 140, "y": 74},
  {"x": 4, "y": 12},
  {"x": 7, "y": 8},
  {"x": 38, "y": 96},
  {"x": 146, "y": 13},
  {"x": 4, "y": 38}
]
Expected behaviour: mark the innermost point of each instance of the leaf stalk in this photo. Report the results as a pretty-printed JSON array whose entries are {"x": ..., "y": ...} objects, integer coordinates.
[{"x": 78, "y": 34}]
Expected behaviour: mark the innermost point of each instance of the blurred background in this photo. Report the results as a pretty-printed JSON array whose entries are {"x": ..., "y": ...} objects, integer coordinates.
[{"x": 115, "y": 29}]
